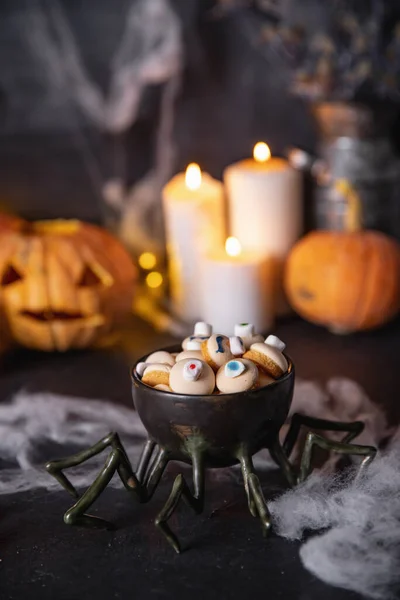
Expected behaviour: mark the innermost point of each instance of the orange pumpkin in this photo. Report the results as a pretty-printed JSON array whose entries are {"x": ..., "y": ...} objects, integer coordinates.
[
  {"x": 10, "y": 223},
  {"x": 345, "y": 280},
  {"x": 63, "y": 284}
]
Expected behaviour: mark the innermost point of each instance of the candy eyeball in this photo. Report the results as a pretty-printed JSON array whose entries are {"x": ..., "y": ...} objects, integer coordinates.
[
  {"x": 192, "y": 376},
  {"x": 192, "y": 369},
  {"x": 238, "y": 375},
  {"x": 234, "y": 368}
]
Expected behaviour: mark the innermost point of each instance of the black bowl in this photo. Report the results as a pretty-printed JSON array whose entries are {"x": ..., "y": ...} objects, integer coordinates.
[{"x": 222, "y": 425}]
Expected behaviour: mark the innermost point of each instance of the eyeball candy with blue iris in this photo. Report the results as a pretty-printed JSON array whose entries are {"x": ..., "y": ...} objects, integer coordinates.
[
  {"x": 237, "y": 375},
  {"x": 192, "y": 376}
]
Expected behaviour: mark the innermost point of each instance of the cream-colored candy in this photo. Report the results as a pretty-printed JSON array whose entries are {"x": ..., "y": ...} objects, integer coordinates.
[
  {"x": 264, "y": 379},
  {"x": 216, "y": 350},
  {"x": 189, "y": 354},
  {"x": 156, "y": 373},
  {"x": 203, "y": 329},
  {"x": 193, "y": 342},
  {"x": 237, "y": 346},
  {"x": 237, "y": 375},
  {"x": 161, "y": 357},
  {"x": 268, "y": 358},
  {"x": 246, "y": 332},
  {"x": 162, "y": 387},
  {"x": 181, "y": 380}
]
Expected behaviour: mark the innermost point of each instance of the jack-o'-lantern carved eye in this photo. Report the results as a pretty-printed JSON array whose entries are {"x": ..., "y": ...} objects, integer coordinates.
[
  {"x": 10, "y": 275},
  {"x": 89, "y": 278}
]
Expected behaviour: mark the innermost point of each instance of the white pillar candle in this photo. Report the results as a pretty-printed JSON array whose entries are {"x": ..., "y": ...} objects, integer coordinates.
[
  {"x": 265, "y": 207},
  {"x": 194, "y": 215},
  {"x": 234, "y": 289}
]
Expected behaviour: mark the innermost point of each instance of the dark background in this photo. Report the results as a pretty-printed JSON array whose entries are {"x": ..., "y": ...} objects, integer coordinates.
[{"x": 231, "y": 96}]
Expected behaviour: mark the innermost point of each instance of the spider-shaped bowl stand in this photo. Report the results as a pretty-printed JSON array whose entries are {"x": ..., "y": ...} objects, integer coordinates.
[{"x": 212, "y": 431}]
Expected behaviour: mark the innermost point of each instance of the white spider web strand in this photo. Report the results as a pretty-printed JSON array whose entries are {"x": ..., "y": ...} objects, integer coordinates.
[
  {"x": 31, "y": 420},
  {"x": 150, "y": 52},
  {"x": 360, "y": 551}
]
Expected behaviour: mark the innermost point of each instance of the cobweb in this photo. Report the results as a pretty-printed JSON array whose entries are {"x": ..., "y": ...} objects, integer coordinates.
[
  {"x": 149, "y": 52},
  {"x": 357, "y": 522}
]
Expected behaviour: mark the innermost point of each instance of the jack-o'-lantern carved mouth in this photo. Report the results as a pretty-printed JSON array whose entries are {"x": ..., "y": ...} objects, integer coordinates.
[{"x": 51, "y": 316}]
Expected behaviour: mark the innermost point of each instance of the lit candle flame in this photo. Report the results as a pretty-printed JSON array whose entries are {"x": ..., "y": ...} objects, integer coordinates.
[
  {"x": 193, "y": 176},
  {"x": 232, "y": 246},
  {"x": 261, "y": 152}
]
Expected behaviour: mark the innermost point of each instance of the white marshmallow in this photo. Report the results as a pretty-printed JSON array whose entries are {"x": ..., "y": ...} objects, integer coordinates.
[
  {"x": 275, "y": 342},
  {"x": 244, "y": 330},
  {"x": 237, "y": 345},
  {"x": 140, "y": 368},
  {"x": 202, "y": 328},
  {"x": 193, "y": 345}
]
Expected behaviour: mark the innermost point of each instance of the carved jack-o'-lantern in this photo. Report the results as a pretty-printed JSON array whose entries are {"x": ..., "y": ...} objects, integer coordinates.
[{"x": 63, "y": 284}]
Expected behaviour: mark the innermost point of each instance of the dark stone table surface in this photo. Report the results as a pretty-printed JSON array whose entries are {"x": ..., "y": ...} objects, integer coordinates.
[{"x": 226, "y": 555}]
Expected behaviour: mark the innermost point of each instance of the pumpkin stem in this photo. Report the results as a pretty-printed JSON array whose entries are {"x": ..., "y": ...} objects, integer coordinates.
[{"x": 353, "y": 212}]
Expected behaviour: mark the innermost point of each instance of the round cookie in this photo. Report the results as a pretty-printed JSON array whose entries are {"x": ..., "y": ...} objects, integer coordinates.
[
  {"x": 237, "y": 375},
  {"x": 162, "y": 387},
  {"x": 268, "y": 358},
  {"x": 246, "y": 332},
  {"x": 192, "y": 376},
  {"x": 161, "y": 357},
  {"x": 189, "y": 354},
  {"x": 156, "y": 373},
  {"x": 216, "y": 350}
]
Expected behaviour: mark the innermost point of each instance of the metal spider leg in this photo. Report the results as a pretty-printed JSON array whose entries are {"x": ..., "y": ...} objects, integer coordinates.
[
  {"x": 281, "y": 459},
  {"x": 180, "y": 489},
  {"x": 257, "y": 502},
  {"x": 117, "y": 461},
  {"x": 314, "y": 439},
  {"x": 352, "y": 429}
]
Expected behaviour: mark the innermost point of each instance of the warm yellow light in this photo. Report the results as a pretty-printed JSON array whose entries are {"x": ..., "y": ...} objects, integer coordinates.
[
  {"x": 261, "y": 152},
  {"x": 193, "y": 176},
  {"x": 232, "y": 246},
  {"x": 154, "y": 279},
  {"x": 147, "y": 261}
]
